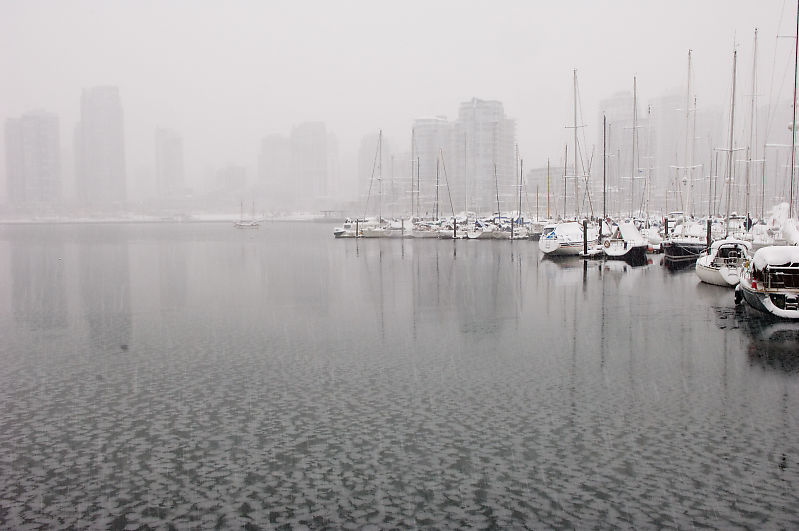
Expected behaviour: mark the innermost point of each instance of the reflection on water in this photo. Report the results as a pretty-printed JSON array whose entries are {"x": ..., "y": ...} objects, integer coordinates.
[
  {"x": 283, "y": 378},
  {"x": 773, "y": 343}
]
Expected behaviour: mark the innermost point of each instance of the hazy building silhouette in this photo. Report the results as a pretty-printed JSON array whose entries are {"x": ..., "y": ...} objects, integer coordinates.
[
  {"x": 33, "y": 162},
  {"x": 231, "y": 180},
  {"x": 484, "y": 139},
  {"x": 169, "y": 163},
  {"x": 100, "y": 148},
  {"x": 274, "y": 170},
  {"x": 299, "y": 172},
  {"x": 432, "y": 139},
  {"x": 310, "y": 160}
]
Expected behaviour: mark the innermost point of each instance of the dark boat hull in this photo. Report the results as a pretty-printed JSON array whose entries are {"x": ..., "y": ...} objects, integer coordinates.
[{"x": 681, "y": 254}]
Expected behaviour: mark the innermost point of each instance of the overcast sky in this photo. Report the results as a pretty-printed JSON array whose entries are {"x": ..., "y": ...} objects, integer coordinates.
[{"x": 224, "y": 74}]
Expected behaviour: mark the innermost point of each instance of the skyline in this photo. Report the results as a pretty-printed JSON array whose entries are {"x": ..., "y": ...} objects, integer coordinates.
[{"x": 225, "y": 78}]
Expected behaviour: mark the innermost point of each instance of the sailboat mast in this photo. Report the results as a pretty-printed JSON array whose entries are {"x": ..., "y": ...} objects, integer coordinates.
[
  {"x": 521, "y": 182},
  {"x": 685, "y": 204},
  {"x": 418, "y": 184},
  {"x": 466, "y": 171},
  {"x": 380, "y": 176},
  {"x": 793, "y": 121},
  {"x": 413, "y": 153},
  {"x": 547, "y": 187},
  {"x": 438, "y": 160},
  {"x": 576, "y": 180},
  {"x": 633, "y": 169},
  {"x": 732, "y": 130},
  {"x": 751, "y": 126},
  {"x": 604, "y": 167},
  {"x": 496, "y": 185},
  {"x": 565, "y": 165}
]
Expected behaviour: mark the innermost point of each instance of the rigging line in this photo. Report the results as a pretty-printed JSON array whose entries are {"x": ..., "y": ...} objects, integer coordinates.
[
  {"x": 446, "y": 180},
  {"x": 371, "y": 180}
]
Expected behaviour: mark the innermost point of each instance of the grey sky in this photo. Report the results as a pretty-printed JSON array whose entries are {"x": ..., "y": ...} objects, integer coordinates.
[{"x": 224, "y": 74}]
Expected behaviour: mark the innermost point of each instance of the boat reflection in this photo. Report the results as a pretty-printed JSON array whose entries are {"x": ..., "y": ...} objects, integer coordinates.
[{"x": 773, "y": 343}]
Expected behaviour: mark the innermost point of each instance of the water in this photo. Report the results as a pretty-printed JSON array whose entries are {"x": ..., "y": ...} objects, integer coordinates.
[{"x": 197, "y": 376}]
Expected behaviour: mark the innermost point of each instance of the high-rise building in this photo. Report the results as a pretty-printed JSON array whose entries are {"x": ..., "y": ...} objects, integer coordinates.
[
  {"x": 483, "y": 149},
  {"x": 169, "y": 163},
  {"x": 432, "y": 138},
  {"x": 309, "y": 160},
  {"x": 33, "y": 161},
  {"x": 274, "y": 170},
  {"x": 100, "y": 148},
  {"x": 298, "y": 172}
]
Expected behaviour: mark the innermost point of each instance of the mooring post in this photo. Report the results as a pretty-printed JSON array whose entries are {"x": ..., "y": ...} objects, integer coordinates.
[
  {"x": 708, "y": 234},
  {"x": 585, "y": 237}
]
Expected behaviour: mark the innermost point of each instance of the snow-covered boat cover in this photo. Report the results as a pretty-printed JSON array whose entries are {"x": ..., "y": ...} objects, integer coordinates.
[
  {"x": 571, "y": 231},
  {"x": 630, "y": 233},
  {"x": 718, "y": 243},
  {"x": 776, "y": 255}
]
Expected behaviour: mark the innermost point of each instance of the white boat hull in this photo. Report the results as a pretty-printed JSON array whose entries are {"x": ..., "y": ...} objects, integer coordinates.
[
  {"x": 717, "y": 275},
  {"x": 555, "y": 247},
  {"x": 764, "y": 300}
]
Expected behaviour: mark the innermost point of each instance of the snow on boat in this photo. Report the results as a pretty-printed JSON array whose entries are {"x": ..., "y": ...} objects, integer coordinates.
[
  {"x": 770, "y": 281},
  {"x": 626, "y": 243},
  {"x": 721, "y": 264},
  {"x": 566, "y": 239}
]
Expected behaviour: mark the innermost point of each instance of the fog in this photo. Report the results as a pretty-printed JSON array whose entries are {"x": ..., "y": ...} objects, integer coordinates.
[{"x": 226, "y": 75}]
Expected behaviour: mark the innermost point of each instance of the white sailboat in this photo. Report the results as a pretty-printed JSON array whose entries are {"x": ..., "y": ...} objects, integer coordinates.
[
  {"x": 770, "y": 281},
  {"x": 567, "y": 238},
  {"x": 244, "y": 223},
  {"x": 721, "y": 264},
  {"x": 626, "y": 243}
]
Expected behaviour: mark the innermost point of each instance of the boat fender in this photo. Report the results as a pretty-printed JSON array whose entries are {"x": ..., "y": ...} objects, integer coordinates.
[
  {"x": 738, "y": 294},
  {"x": 606, "y": 244}
]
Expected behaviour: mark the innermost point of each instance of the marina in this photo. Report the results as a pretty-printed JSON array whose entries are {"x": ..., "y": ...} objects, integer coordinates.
[{"x": 392, "y": 383}]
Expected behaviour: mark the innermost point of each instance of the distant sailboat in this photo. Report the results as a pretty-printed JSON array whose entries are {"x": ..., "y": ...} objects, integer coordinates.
[{"x": 244, "y": 223}]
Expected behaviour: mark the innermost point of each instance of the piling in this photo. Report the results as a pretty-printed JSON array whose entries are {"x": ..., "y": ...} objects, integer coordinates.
[
  {"x": 708, "y": 234},
  {"x": 585, "y": 237}
]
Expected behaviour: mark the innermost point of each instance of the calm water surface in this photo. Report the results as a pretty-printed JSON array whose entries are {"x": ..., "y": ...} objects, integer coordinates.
[{"x": 199, "y": 376}]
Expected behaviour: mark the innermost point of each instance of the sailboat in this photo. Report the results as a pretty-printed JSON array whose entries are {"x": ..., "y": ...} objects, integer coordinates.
[
  {"x": 769, "y": 282},
  {"x": 567, "y": 238},
  {"x": 626, "y": 243},
  {"x": 720, "y": 263},
  {"x": 686, "y": 242},
  {"x": 244, "y": 223}
]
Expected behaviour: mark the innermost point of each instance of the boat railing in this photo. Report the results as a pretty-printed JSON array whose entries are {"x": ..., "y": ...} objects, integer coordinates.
[{"x": 782, "y": 277}]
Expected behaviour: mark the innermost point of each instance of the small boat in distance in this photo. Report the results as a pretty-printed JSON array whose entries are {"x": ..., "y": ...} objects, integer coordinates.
[
  {"x": 244, "y": 223},
  {"x": 770, "y": 281}
]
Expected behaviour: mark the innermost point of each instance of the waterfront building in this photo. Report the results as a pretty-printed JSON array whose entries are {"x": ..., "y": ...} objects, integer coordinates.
[
  {"x": 432, "y": 139},
  {"x": 298, "y": 172},
  {"x": 169, "y": 163},
  {"x": 33, "y": 162},
  {"x": 484, "y": 157},
  {"x": 100, "y": 148}
]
